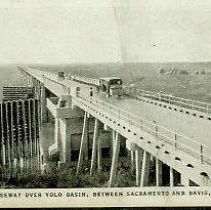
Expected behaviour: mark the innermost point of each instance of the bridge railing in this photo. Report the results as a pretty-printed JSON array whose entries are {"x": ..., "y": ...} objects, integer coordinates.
[
  {"x": 57, "y": 84},
  {"x": 170, "y": 99},
  {"x": 178, "y": 141}
]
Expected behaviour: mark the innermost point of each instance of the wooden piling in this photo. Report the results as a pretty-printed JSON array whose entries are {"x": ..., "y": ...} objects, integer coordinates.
[
  {"x": 2, "y": 137},
  {"x": 24, "y": 139},
  {"x": 30, "y": 134},
  {"x": 34, "y": 129},
  {"x": 12, "y": 133},
  {"x": 38, "y": 127},
  {"x": 7, "y": 139},
  {"x": 42, "y": 99},
  {"x": 15, "y": 134},
  {"x": 21, "y": 132},
  {"x": 18, "y": 135}
]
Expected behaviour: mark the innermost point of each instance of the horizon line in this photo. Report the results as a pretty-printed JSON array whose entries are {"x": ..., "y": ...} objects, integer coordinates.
[{"x": 117, "y": 62}]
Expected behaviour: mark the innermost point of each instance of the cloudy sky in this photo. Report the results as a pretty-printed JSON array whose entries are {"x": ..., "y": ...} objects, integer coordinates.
[{"x": 72, "y": 31}]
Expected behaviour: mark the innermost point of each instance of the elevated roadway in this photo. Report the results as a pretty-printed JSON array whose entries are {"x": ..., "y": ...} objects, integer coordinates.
[{"x": 175, "y": 136}]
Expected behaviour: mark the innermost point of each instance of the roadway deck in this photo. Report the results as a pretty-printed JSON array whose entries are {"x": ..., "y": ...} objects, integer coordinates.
[{"x": 190, "y": 126}]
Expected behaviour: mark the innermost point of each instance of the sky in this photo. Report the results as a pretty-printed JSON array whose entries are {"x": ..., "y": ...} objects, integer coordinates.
[{"x": 94, "y": 31}]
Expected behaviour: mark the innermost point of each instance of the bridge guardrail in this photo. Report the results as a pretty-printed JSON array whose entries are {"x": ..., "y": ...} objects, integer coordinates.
[
  {"x": 170, "y": 99},
  {"x": 180, "y": 142}
]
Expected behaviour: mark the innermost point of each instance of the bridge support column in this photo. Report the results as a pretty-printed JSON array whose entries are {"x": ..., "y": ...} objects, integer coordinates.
[
  {"x": 111, "y": 144},
  {"x": 205, "y": 181},
  {"x": 138, "y": 156},
  {"x": 11, "y": 117},
  {"x": 34, "y": 138},
  {"x": 94, "y": 146},
  {"x": 113, "y": 138},
  {"x": 38, "y": 154},
  {"x": 114, "y": 160},
  {"x": 63, "y": 141},
  {"x": 24, "y": 138},
  {"x": 14, "y": 167},
  {"x": 57, "y": 136},
  {"x": 30, "y": 145},
  {"x": 3, "y": 154},
  {"x": 68, "y": 126},
  {"x": 8, "y": 129},
  {"x": 43, "y": 104},
  {"x": 158, "y": 171},
  {"x": 22, "y": 126},
  {"x": 83, "y": 140},
  {"x": 18, "y": 145},
  {"x": 132, "y": 157},
  {"x": 99, "y": 154},
  {"x": 57, "y": 133},
  {"x": 21, "y": 163},
  {"x": 145, "y": 169},
  {"x": 12, "y": 136},
  {"x": 14, "y": 144},
  {"x": 86, "y": 149},
  {"x": 36, "y": 129},
  {"x": 171, "y": 177},
  {"x": 3, "y": 158},
  {"x": 105, "y": 127},
  {"x": 184, "y": 180}
]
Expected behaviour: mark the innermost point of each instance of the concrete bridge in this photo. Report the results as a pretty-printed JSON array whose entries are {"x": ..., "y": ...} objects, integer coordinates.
[{"x": 148, "y": 126}]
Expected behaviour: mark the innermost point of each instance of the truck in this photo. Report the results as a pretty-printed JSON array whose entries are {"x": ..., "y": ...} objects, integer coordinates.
[{"x": 112, "y": 86}]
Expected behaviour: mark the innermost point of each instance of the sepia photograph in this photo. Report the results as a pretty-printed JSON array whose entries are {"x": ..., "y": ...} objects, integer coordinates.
[{"x": 105, "y": 103}]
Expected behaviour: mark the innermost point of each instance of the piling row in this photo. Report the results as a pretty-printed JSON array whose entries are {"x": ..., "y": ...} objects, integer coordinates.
[{"x": 19, "y": 134}]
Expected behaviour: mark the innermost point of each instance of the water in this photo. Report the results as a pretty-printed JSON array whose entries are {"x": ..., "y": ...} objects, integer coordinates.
[{"x": 143, "y": 75}]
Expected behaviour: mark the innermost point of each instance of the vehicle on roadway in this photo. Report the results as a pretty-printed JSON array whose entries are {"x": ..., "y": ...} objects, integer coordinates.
[
  {"x": 60, "y": 75},
  {"x": 110, "y": 85},
  {"x": 85, "y": 80}
]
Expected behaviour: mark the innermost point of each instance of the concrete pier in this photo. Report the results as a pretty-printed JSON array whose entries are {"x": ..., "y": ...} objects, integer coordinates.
[
  {"x": 145, "y": 169},
  {"x": 83, "y": 141},
  {"x": 139, "y": 157},
  {"x": 158, "y": 171},
  {"x": 94, "y": 146},
  {"x": 115, "y": 157},
  {"x": 99, "y": 155},
  {"x": 133, "y": 159}
]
